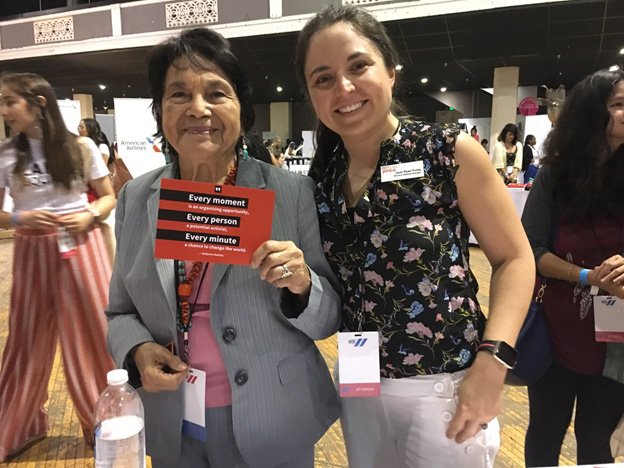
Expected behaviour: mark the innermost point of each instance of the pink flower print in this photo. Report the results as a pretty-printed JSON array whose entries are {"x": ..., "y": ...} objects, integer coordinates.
[
  {"x": 389, "y": 285},
  {"x": 425, "y": 287},
  {"x": 327, "y": 245},
  {"x": 439, "y": 336},
  {"x": 437, "y": 227},
  {"x": 390, "y": 266},
  {"x": 412, "y": 254},
  {"x": 369, "y": 306},
  {"x": 470, "y": 334},
  {"x": 377, "y": 239},
  {"x": 439, "y": 318},
  {"x": 429, "y": 195},
  {"x": 472, "y": 305},
  {"x": 419, "y": 221},
  {"x": 456, "y": 303},
  {"x": 412, "y": 359},
  {"x": 457, "y": 272},
  {"x": 375, "y": 278},
  {"x": 418, "y": 328},
  {"x": 382, "y": 195},
  {"x": 407, "y": 143},
  {"x": 357, "y": 219},
  {"x": 394, "y": 197}
]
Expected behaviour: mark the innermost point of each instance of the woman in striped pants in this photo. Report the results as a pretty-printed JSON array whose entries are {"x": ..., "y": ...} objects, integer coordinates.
[{"x": 61, "y": 270}]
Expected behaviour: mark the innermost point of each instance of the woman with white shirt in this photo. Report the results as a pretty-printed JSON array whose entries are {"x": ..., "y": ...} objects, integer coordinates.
[
  {"x": 507, "y": 158},
  {"x": 61, "y": 270}
]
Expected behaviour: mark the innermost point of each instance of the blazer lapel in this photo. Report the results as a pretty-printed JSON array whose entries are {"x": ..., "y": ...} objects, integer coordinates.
[
  {"x": 249, "y": 175},
  {"x": 164, "y": 267}
]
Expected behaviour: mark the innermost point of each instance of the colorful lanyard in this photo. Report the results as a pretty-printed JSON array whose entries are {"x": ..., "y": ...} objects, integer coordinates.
[
  {"x": 184, "y": 284},
  {"x": 185, "y": 290}
]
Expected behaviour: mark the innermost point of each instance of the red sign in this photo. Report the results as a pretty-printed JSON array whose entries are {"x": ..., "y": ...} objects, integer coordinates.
[
  {"x": 203, "y": 222},
  {"x": 528, "y": 106}
]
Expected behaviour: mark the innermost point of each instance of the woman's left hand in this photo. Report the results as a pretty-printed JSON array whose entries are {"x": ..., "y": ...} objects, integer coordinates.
[
  {"x": 282, "y": 264},
  {"x": 478, "y": 399},
  {"x": 75, "y": 223}
]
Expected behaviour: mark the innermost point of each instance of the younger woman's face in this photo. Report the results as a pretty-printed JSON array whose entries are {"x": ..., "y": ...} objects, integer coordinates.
[
  {"x": 509, "y": 137},
  {"x": 82, "y": 129},
  {"x": 18, "y": 113},
  {"x": 348, "y": 82},
  {"x": 615, "y": 106}
]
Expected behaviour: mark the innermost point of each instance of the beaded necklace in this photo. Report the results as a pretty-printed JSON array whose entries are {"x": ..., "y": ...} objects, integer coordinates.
[{"x": 185, "y": 283}]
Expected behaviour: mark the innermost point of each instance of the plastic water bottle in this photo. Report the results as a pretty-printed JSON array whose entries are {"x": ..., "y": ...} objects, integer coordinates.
[{"x": 119, "y": 427}]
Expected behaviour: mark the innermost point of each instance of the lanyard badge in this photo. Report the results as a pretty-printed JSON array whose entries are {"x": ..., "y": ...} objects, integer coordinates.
[
  {"x": 358, "y": 364},
  {"x": 194, "y": 423}
]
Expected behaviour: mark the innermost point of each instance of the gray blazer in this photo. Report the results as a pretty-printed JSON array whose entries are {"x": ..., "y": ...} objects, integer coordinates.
[{"x": 283, "y": 399}]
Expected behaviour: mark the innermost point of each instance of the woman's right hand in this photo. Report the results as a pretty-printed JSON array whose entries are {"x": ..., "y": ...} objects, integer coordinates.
[
  {"x": 160, "y": 369},
  {"x": 38, "y": 219},
  {"x": 611, "y": 270}
]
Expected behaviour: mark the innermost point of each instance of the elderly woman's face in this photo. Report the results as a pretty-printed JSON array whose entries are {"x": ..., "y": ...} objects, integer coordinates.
[{"x": 200, "y": 111}]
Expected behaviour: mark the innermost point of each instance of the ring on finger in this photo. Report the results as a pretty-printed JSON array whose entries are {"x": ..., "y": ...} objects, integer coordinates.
[{"x": 285, "y": 272}]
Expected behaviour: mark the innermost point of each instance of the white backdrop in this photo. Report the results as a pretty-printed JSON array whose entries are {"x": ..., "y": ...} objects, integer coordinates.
[{"x": 135, "y": 127}]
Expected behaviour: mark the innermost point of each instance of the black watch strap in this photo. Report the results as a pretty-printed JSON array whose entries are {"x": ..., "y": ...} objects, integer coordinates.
[{"x": 502, "y": 352}]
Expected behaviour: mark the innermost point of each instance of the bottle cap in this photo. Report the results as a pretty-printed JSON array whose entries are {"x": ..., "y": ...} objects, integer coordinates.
[{"x": 117, "y": 377}]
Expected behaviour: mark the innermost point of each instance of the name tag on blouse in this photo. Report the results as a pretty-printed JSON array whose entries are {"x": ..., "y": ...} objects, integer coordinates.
[
  {"x": 402, "y": 171},
  {"x": 358, "y": 364}
]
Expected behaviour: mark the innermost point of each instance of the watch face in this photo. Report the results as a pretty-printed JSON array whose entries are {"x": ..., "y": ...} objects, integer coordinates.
[{"x": 506, "y": 354}]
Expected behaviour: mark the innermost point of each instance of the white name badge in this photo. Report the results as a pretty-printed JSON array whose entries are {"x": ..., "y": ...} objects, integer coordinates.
[
  {"x": 402, "y": 171},
  {"x": 194, "y": 424},
  {"x": 609, "y": 318},
  {"x": 358, "y": 364}
]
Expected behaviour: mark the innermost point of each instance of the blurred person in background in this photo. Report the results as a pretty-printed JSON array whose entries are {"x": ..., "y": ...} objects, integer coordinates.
[
  {"x": 507, "y": 157},
  {"x": 61, "y": 271},
  {"x": 574, "y": 218}
]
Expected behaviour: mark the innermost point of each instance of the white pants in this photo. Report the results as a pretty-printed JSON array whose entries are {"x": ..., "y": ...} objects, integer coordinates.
[{"x": 406, "y": 427}]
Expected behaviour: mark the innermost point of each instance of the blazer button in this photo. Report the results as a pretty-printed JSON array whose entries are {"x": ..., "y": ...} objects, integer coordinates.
[
  {"x": 229, "y": 334},
  {"x": 241, "y": 377}
]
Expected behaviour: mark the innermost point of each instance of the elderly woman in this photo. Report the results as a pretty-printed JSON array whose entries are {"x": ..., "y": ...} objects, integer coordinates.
[{"x": 268, "y": 394}]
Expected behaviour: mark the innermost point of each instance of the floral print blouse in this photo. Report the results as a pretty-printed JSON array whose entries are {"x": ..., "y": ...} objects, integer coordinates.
[{"x": 401, "y": 255}]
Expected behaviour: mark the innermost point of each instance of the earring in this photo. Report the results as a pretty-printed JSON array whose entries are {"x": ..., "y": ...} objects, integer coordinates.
[{"x": 242, "y": 151}]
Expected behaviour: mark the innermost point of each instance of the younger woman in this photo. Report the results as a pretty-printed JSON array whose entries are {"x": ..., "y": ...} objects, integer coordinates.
[
  {"x": 399, "y": 245},
  {"x": 507, "y": 158},
  {"x": 91, "y": 128},
  {"x": 61, "y": 271}
]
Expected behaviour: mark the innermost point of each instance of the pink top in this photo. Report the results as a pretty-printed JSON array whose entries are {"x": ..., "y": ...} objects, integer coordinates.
[{"x": 204, "y": 349}]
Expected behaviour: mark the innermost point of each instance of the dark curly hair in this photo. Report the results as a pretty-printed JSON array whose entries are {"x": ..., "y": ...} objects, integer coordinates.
[{"x": 589, "y": 173}]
